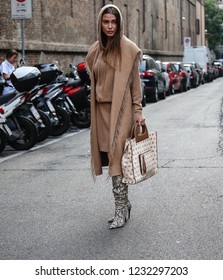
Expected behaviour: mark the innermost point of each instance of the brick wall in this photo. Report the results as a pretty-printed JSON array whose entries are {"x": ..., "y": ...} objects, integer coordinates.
[{"x": 64, "y": 30}]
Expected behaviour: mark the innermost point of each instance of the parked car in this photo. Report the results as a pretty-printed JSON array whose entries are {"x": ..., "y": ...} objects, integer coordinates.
[
  {"x": 176, "y": 84},
  {"x": 220, "y": 60},
  {"x": 194, "y": 77},
  {"x": 165, "y": 76},
  {"x": 216, "y": 72},
  {"x": 200, "y": 72},
  {"x": 184, "y": 75},
  {"x": 152, "y": 78},
  {"x": 218, "y": 65}
]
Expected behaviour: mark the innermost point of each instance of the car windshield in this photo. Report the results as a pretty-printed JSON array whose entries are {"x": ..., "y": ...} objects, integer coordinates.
[
  {"x": 142, "y": 66},
  {"x": 187, "y": 67},
  {"x": 177, "y": 66},
  {"x": 164, "y": 66}
]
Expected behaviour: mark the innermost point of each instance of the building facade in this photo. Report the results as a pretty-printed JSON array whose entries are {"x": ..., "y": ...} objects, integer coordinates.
[
  {"x": 220, "y": 4},
  {"x": 63, "y": 31},
  {"x": 200, "y": 23},
  {"x": 220, "y": 47}
]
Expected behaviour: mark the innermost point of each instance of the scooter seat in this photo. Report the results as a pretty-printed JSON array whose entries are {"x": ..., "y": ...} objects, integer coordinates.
[
  {"x": 75, "y": 83},
  {"x": 5, "y": 98}
]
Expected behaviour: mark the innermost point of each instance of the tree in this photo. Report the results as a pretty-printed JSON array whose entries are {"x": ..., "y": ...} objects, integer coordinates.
[{"x": 213, "y": 24}]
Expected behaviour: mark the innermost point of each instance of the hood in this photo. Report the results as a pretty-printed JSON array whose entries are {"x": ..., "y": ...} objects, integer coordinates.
[{"x": 99, "y": 22}]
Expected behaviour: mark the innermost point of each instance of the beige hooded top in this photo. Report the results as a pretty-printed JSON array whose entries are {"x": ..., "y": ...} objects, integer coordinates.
[{"x": 125, "y": 100}]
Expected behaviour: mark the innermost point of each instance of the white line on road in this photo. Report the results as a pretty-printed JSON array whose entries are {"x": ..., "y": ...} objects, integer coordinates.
[{"x": 39, "y": 146}]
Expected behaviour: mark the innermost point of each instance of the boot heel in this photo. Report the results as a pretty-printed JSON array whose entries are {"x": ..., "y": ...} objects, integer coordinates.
[
  {"x": 129, "y": 206},
  {"x": 128, "y": 214},
  {"x": 121, "y": 217}
]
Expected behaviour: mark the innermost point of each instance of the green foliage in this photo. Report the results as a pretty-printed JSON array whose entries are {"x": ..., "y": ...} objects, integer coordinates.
[{"x": 213, "y": 23}]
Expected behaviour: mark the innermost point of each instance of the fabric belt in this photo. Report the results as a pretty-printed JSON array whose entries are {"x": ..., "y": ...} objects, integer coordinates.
[{"x": 102, "y": 101}]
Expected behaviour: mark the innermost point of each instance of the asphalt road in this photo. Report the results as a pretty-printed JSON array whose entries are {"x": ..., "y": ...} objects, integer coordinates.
[{"x": 50, "y": 208}]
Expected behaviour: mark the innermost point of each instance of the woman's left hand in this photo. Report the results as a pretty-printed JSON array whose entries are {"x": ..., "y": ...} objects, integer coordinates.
[{"x": 141, "y": 122}]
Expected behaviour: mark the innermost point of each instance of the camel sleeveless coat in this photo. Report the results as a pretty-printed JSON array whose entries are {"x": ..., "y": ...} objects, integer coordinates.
[{"x": 125, "y": 106}]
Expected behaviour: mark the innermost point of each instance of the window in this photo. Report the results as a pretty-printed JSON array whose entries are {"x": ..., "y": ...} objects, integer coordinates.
[
  {"x": 152, "y": 64},
  {"x": 197, "y": 26},
  {"x": 126, "y": 21},
  {"x": 144, "y": 17}
]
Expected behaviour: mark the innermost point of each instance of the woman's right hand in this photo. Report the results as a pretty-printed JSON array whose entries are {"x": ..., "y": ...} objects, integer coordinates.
[{"x": 141, "y": 122}]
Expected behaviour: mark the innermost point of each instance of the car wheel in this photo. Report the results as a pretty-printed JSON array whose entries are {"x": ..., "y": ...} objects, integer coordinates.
[
  {"x": 164, "y": 92},
  {"x": 180, "y": 88},
  {"x": 189, "y": 85},
  {"x": 144, "y": 100},
  {"x": 162, "y": 95},
  {"x": 185, "y": 86},
  {"x": 172, "y": 90},
  {"x": 168, "y": 92},
  {"x": 155, "y": 96}
]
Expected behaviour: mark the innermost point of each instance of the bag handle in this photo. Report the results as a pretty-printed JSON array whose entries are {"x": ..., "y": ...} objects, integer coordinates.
[{"x": 139, "y": 135}]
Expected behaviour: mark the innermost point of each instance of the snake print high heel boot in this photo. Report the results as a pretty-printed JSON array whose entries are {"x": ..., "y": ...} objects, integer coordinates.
[{"x": 122, "y": 204}]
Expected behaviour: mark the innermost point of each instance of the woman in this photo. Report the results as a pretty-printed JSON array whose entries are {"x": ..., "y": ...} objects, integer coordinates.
[
  {"x": 112, "y": 62},
  {"x": 7, "y": 67}
]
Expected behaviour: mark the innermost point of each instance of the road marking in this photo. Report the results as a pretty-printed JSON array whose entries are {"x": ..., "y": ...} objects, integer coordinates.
[{"x": 39, "y": 146}]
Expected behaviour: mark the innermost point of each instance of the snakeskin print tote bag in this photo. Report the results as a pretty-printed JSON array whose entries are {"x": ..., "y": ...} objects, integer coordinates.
[{"x": 140, "y": 157}]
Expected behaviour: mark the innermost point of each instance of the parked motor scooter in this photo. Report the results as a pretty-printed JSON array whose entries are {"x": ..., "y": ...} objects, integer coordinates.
[
  {"x": 27, "y": 108},
  {"x": 53, "y": 91},
  {"x": 3, "y": 134},
  {"x": 39, "y": 117},
  {"x": 3, "y": 139},
  {"x": 2, "y": 83},
  {"x": 20, "y": 132},
  {"x": 49, "y": 97},
  {"x": 78, "y": 90},
  {"x": 65, "y": 100}
]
